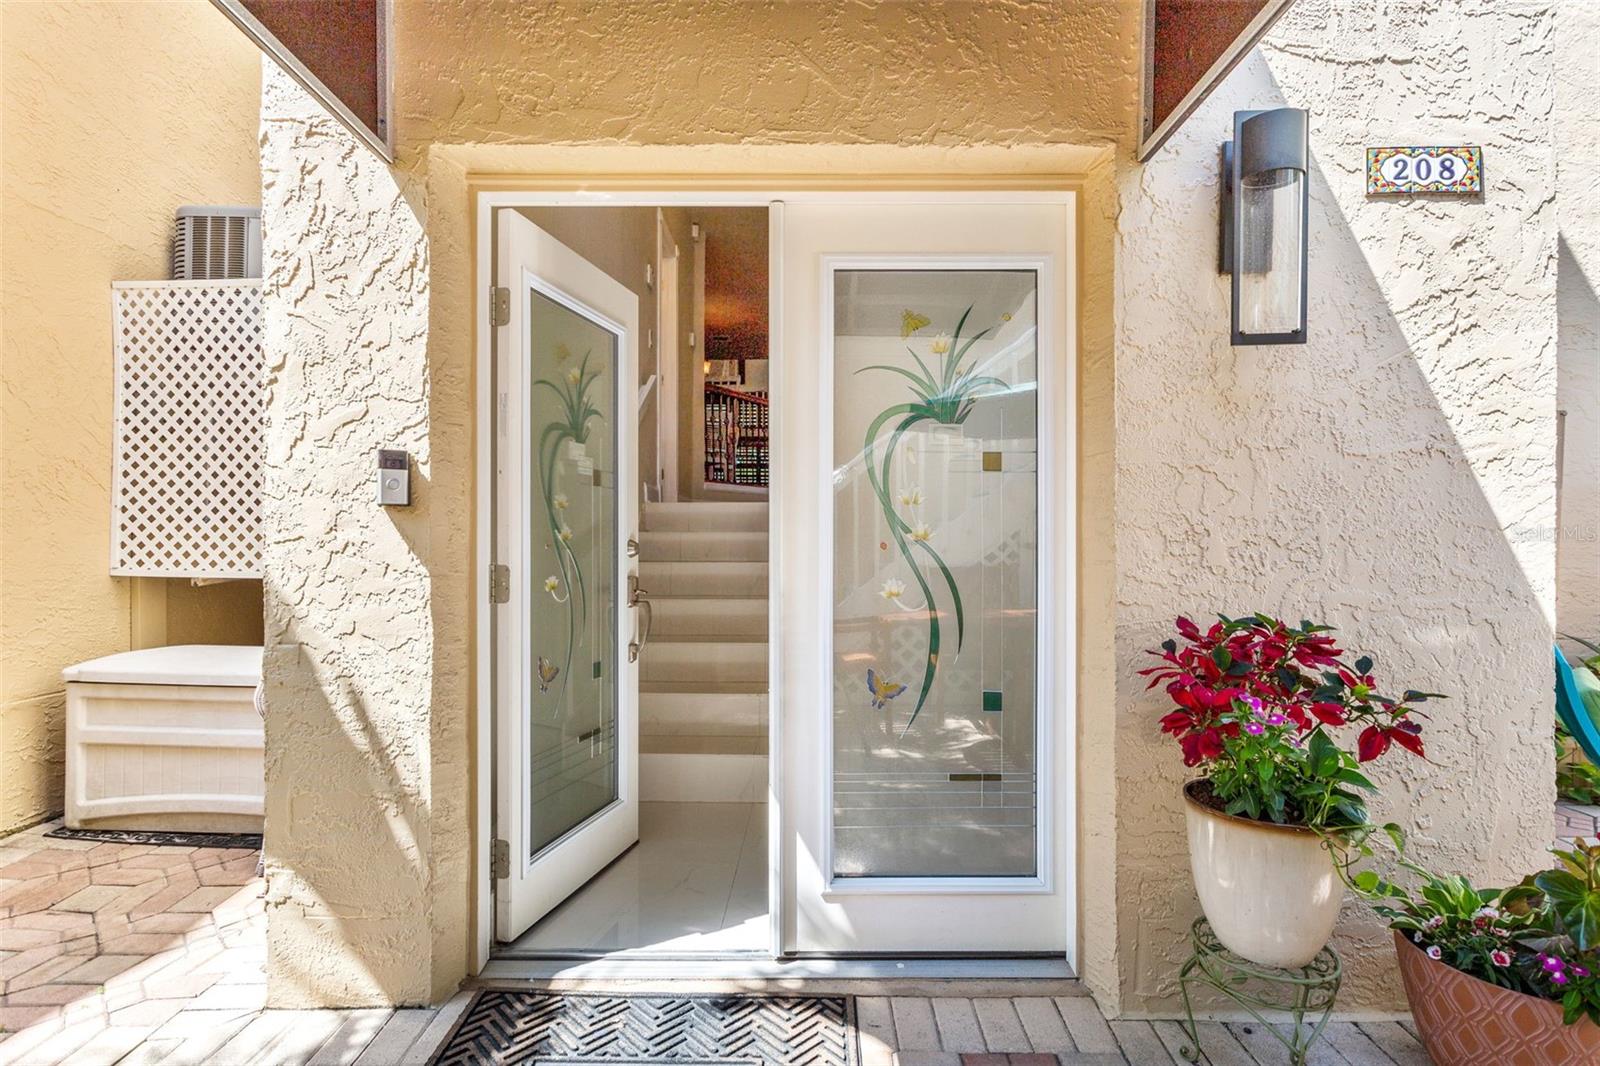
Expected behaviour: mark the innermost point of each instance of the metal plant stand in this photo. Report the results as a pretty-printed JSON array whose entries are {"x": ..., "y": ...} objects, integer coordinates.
[{"x": 1308, "y": 991}]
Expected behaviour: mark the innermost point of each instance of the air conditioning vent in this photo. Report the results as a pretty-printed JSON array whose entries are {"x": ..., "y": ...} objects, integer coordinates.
[{"x": 216, "y": 243}]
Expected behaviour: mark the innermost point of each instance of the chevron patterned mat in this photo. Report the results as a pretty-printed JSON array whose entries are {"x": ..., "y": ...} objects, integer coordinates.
[{"x": 576, "y": 1029}]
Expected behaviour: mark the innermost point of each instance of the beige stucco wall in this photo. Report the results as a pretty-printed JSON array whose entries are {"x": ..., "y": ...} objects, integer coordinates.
[
  {"x": 1392, "y": 476},
  {"x": 111, "y": 115},
  {"x": 1578, "y": 301}
]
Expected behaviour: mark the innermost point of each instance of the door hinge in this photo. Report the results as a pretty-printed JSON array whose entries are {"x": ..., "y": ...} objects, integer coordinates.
[
  {"x": 499, "y": 583},
  {"x": 500, "y": 860},
  {"x": 499, "y": 307}
]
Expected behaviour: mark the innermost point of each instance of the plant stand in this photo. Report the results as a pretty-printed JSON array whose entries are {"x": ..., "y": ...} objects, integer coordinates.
[{"x": 1307, "y": 991}]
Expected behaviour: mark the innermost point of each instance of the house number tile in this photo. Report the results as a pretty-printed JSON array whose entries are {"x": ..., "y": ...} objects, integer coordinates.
[{"x": 1453, "y": 170}]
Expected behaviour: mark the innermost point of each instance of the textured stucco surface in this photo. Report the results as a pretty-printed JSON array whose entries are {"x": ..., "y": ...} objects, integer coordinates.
[
  {"x": 1578, "y": 300},
  {"x": 95, "y": 153},
  {"x": 1394, "y": 476},
  {"x": 999, "y": 71}
]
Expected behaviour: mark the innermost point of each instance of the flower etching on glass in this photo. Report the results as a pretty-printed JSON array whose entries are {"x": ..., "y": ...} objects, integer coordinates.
[
  {"x": 944, "y": 398},
  {"x": 572, "y": 425}
]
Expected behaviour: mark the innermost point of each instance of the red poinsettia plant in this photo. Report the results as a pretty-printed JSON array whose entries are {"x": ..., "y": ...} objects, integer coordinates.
[{"x": 1257, "y": 701}]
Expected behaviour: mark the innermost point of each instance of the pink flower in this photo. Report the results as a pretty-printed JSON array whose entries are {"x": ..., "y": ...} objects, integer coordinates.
[
  {"x": 1500, "y": 958},
  {"x": 1558, "y": 978},
  {"x": 1434, "y": 953},
  {"x": 1580, "y": 971},
  {"x": 1255, "y": 729},
  {"x": 1276, "y": 719},
  {"x": 1552, "y": 964}
]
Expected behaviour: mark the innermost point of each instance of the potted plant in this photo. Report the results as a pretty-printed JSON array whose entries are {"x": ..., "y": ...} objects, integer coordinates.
[
  {"x": 1499, "y": 975},
  {"x": 1257, "y": 701}
]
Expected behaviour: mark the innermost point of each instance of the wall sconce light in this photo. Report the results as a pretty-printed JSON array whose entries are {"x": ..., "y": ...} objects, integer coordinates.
[{"x": 1265, "y": 204}]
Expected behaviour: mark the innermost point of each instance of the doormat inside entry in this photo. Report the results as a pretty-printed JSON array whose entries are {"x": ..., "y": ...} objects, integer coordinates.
[{"x": 579, "y": 1029}]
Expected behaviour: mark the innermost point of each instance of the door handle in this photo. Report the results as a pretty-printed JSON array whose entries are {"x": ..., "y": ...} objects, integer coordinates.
[{"x": 639, "y": 598}]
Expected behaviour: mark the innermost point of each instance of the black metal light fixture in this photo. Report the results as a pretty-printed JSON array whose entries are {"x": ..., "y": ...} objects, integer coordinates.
[{"x": 1265, "y": 202}]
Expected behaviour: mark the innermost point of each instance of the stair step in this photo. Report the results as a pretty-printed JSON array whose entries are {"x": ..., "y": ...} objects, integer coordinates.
[
  {"x": 674, "y": 579},
  {"x": 691, "y": 546},
  {"x": 701, "y": 778},
  {"x": 705, "y": 516},
  {"x": 705, "y": 688},
  {"x": 728, "y": 714},
  {"x": 712, "y": 662},
  {"x": 701, "y": 744},
  {"x": 707, "y": 618}
]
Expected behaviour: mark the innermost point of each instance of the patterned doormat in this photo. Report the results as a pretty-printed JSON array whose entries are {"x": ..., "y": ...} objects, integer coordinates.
[
  {"x": 577, "y": 1029},
  {"x": 161, "y": 839}
]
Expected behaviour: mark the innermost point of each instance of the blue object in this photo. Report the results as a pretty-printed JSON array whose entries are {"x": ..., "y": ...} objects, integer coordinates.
[{"x": 1572, "y": 712}]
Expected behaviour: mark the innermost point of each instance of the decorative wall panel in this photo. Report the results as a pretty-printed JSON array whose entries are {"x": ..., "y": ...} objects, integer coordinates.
[{"x": 189, "y": 408}]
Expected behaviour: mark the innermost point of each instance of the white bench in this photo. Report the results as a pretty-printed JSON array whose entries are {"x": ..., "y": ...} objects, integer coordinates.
[{"x": 165, "y": 739}]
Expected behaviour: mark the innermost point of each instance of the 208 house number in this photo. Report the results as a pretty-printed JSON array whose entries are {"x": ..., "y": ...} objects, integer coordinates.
[{"x": 1454, "y": 169}]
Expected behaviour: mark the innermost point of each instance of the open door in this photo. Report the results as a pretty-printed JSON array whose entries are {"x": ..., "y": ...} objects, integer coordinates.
[{"x": 566, "y": 515}]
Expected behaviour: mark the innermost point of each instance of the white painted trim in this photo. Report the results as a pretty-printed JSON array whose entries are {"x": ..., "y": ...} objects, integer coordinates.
[
  {"x": 763, "y": 198},
  {"x": 485, "y": 429},
  {"x": 777, "y": 477},
  {"x": 1045, "y": 709},
  {"x": 774, "y": 200}
]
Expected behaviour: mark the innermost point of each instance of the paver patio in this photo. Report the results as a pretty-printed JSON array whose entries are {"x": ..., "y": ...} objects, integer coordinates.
[{"x": 136, "y": 955}]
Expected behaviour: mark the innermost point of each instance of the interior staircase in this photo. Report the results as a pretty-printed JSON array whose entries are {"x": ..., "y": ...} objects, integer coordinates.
[{"x": 703, "y": 679}]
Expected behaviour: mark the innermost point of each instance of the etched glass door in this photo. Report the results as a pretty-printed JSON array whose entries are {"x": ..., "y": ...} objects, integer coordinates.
[
  {"x": 923, "y": 519},
  {"x": 935, "y": 576},
  {"x": 565, "y": 686},
  {"x": 572, "y": 545}
]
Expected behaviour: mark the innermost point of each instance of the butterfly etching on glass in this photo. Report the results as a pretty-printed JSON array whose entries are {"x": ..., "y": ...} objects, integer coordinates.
[
  {"x": 882, "y": 689},
  {"x": 547, "y": 673}
]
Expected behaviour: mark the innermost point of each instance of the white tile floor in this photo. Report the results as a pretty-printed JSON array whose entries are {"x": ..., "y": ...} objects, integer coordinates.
[{"x": 695, "y": 882}]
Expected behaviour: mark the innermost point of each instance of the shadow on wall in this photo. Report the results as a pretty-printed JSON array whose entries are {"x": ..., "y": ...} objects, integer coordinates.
[
  {"x": 1578, "y": 397},
  {"x": 351, "y": 588},
  {"x": 1391, "y": 477}
]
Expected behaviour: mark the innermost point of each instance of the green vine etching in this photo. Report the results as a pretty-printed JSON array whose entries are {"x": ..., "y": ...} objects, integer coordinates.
[
  {"x": 945, "y": 399},
  {"x": 576, "y": 413}
]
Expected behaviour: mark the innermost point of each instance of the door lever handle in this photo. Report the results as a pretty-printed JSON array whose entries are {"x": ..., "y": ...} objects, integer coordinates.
[{"x": 640, "y": 598}]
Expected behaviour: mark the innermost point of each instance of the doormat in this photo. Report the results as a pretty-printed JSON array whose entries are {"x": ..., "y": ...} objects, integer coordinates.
[
  {"x": 579, "y": 1029},
  {"x": 250, "y": 841}
]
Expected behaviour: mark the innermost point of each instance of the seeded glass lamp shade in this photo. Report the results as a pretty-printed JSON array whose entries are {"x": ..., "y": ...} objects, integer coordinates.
[{"x": 1264, "y": 225}]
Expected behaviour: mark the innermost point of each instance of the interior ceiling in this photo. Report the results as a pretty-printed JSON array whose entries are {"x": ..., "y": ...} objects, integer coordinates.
[{"x": 736, "y": 279}]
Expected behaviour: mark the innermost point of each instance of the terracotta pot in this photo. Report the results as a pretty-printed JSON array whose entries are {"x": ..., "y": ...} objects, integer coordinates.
[
  {"x": 1269, "y": 891},
  {"x": 1467, "y": 1022}
]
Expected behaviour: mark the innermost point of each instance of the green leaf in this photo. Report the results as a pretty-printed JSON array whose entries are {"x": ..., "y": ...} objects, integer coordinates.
[
  {"x": 1576, "y": 906},
  {"x": 1364, "y": 665},
  {"x": 1324, "y": 755},
  {"x": 1354, "y": 778},
  {"x": 1221, "y": 657}
]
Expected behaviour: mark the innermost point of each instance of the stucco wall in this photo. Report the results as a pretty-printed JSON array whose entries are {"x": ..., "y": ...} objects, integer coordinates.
[
  {"x": 114, "y": 114},
  {"x": 1578, "y": 301},
  {"x": 1393, "y": 477}
]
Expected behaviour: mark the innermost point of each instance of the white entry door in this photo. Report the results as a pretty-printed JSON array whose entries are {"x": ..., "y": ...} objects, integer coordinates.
[
  {"x": 924, "y": 533},
  {"x": 566, "y": 507}
]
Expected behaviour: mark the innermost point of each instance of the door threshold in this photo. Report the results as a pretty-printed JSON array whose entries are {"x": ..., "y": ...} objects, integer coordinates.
[{"x": 652, "y": 967}]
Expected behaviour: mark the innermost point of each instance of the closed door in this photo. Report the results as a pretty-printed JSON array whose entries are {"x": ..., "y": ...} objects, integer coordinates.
[
  {"x": 924, "y": 530},
  {"x": 566, "y": 506}
]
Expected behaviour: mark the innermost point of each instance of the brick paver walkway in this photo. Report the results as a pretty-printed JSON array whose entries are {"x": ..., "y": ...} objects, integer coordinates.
[{"x": 114, "y": 955}]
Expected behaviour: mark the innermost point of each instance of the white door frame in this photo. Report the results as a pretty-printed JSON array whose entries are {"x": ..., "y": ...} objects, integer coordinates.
[{"x": 1065, "y": 723}]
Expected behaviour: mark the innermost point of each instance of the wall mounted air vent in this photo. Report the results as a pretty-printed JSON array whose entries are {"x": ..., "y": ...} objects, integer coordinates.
[{"x": 213, "y": 243}]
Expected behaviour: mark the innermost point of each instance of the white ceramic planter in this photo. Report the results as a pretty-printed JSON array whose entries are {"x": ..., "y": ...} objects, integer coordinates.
[{"x": 1269, "y": 891}]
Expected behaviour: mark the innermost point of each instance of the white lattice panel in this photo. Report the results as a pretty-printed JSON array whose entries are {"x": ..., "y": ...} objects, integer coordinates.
[{"x": 186, "y": 480}]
